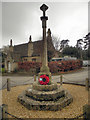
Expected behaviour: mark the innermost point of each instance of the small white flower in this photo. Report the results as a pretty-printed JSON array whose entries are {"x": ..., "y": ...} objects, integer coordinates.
[
  {"x": 29, "y": 89},
  {"x": 40, "y": 79}
]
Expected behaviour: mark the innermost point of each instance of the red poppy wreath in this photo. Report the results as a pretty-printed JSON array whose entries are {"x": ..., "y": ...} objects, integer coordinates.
[{"x": 44, "y": 80}]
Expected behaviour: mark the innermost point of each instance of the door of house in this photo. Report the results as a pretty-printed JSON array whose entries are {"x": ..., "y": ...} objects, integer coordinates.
[{"x": 9, "y": 67}]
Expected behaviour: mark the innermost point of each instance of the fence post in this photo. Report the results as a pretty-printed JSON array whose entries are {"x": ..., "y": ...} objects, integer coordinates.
[
  {"x": 0, "y": 112},
  {"x": 87, "y": 84},
  {"x": 34, "y": 77},
  {"x": 4, "y": 110},
  {"x": 86, "y": 110},
  {"x": 8, "y": 84},
  {"x": 61, "y": 79}
]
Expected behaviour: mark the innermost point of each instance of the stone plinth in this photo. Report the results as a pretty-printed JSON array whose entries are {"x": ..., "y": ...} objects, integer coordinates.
[
  {"x": 37, "y": 86},
  {"x": 47, "y": 97}
]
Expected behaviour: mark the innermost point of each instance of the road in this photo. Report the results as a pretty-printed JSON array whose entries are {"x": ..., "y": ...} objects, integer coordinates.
[{"x": 76, "y": 78}]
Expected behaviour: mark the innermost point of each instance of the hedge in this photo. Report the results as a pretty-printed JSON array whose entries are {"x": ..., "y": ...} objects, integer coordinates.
[
  {"x": 28, "y": 65},
  {"x": 54, "y": 66},
  {"x": 64, "y": 66}
]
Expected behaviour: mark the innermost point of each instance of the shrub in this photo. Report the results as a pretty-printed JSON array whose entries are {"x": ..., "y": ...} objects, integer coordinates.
[
  {"x": 54, "y": 66},
  {"x": 28, "y": 65},
  {"x": 15, "y": 70},
  {"x": 3, "y": 70},
  {"x": 64, "y": 66}
]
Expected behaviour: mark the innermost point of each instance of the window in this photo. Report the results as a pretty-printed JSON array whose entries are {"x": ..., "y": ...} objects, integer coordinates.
[
  {"x": 25, "y": 59},
  {"x": 34, "y": 59}
]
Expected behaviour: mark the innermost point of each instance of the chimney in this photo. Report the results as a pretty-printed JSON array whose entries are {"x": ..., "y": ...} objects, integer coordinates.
[
  {"x": 11, "y": 42},
  {"x": 49, "y": 32},
  {"x": 30, "y": 46},
  {"x": 11, "y": 46},
  {"x": 30, "y": 39}
]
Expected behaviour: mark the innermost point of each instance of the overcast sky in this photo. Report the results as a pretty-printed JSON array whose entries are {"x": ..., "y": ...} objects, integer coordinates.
[{"x": 67, "y": 20}]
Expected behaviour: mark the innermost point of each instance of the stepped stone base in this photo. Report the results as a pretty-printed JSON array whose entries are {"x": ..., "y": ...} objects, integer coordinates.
[
  {"x": 35, "y": 98},
  {"x": 45, "y": 96},
  {"x": 52, "y": 86}
]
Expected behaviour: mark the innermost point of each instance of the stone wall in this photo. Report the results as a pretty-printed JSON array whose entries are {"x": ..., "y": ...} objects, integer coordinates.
[
  {"x": 30, "y": 49},
  {"x": 36, "y": 59},
  {"x": 14, "y": 66}
]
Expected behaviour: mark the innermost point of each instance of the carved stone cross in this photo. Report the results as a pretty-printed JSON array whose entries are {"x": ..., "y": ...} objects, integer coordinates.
[
  {"x": 44, "y": 69},
  {"x": 43, "y": 8}
]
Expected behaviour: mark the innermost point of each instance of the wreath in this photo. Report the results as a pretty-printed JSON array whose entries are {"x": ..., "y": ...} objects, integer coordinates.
[{"x": 44, "y": 80}]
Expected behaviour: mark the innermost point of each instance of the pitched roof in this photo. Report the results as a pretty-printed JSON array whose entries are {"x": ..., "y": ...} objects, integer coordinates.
[
  {"x": 21, "y": 49},
  {"x": 37, "y": 48}
]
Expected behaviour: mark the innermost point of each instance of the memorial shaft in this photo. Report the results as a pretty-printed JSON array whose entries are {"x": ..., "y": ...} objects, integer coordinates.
[
  {"x": 44, "y": 19},
  {"x": 44, "y": 62},
  {"x": 44, "y": 69}
]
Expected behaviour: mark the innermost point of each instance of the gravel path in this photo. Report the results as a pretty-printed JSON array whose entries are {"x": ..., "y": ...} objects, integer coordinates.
[{"x": 80, "y": 98}]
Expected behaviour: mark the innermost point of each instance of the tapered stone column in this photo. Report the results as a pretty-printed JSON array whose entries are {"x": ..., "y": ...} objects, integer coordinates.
[{"x": 44, "y": 69}]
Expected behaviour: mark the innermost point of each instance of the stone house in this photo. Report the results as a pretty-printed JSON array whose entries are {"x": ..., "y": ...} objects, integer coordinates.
[{"x": 31, "y": 51}]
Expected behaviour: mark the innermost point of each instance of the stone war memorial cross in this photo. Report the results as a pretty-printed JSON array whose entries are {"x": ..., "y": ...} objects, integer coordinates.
[
  {"x": 44, "y": 69},
  {"x": 44, "y": 94}
]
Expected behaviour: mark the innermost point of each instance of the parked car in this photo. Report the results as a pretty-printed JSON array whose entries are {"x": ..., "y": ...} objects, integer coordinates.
[
  {"x": 57, "y": 59},
  {"x": 86, "y": 63}
]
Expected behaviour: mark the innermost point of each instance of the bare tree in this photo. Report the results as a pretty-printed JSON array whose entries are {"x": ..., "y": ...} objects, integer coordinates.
[
  {"x": 56, "y": 42},
  {"x": 5, "y": 49}
]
